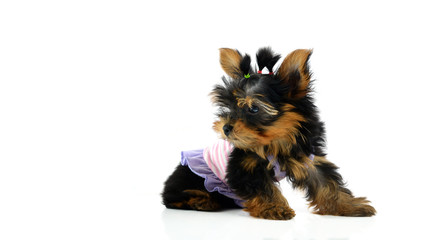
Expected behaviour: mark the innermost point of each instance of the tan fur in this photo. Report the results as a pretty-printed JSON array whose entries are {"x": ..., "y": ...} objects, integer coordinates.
[
  {"x": 244, "y": 137},
  {"x": 178, "y": 204},
  {"x": 297, "y": 169},
  {"x": 230, "y": 62},
  {"x": 218, "y": 126},
  {"x": 330, "y": 201},
  {"x": 241, "y": 102},
  {"x": 286, "y": 127},
  {"x": 241, "y": 136},
  {"x": 201, "y": 200},
  {"x": 296, "y": 60},
  {"x": 273, "y": 207},
  {"x": 281, "y": 135},
  {"x": 249, "y": 163}
]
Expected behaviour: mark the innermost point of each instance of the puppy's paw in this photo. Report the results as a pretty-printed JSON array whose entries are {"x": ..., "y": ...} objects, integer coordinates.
[
  {"x": 359, "y": 207},
  {"x": 347, "y": 206},
  {"x": 201, "y": 201},
  {"x": 273, "y": 211},
  {"x": 364, "y": 211}
]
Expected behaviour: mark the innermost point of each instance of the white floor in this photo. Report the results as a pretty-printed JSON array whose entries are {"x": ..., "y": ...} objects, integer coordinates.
[
  {"x": 132, "y": 216},
  {"x": 237, "y": 224}
]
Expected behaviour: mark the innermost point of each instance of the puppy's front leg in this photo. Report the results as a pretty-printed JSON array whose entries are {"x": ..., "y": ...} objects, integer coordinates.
[
  {"x": 326, "y": 190},
  {"x": 248, "y": 176}
]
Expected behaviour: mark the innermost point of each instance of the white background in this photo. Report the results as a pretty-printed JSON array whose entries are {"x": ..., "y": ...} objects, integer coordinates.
[{"x": 98, "y": 98}]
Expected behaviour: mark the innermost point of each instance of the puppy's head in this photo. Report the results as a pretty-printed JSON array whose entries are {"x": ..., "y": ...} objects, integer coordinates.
[{"x": 262, "y": 112}]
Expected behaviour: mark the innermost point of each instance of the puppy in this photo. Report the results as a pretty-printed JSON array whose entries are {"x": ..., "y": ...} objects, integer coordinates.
[{"x": 270, "y": 130}]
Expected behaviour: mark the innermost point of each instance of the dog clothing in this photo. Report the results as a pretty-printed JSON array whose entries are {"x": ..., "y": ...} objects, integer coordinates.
[{"x": 211, "y": 164}]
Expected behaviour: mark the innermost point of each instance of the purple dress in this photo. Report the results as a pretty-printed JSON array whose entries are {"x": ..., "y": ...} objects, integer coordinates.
[{"x": 211, "y": 164}]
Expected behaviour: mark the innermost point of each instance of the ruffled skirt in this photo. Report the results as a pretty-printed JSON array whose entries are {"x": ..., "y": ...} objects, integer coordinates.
[{"x": 195, "y": 161}]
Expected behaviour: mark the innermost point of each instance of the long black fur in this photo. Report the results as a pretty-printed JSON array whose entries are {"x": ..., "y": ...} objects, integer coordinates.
[
  {"x": 266, "y": 58},
  {"x": 184, "y": 179}
]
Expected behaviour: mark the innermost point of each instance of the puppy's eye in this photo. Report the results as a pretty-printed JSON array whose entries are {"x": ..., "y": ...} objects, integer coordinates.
[{"x": 253, "y": 109}]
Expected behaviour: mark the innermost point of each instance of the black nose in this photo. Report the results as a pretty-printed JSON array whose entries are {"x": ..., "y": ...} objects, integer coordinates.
[{"x": 227, "y": 129}]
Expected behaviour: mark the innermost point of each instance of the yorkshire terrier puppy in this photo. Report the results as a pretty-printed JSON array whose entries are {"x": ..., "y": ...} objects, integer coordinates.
[{"x": 271, "y": 130}]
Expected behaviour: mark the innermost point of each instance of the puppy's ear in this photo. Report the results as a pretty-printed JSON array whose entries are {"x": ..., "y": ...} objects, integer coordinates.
[
  {"x": 294, "y": 71},
  {"x": 233, "y": 63}
]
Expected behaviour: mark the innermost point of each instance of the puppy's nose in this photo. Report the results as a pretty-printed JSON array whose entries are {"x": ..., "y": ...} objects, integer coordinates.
[{"x": 227, "y": 129}]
